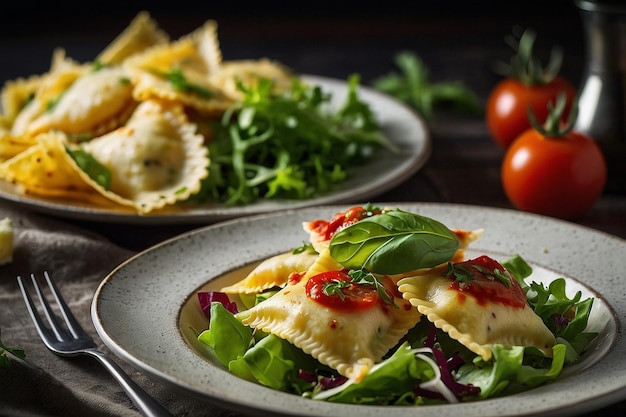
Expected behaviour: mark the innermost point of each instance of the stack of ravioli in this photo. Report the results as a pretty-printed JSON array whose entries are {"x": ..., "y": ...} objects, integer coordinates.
[{"x": 126, "y": 130}]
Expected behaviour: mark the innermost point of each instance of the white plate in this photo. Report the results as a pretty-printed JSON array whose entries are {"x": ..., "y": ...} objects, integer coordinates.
[
  {"x": 402, "y": 126},
  {"x": 146, "y": 309}
]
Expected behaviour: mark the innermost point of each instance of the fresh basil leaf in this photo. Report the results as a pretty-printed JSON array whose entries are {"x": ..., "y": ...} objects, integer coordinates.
[{"x": 394, "y": 242}]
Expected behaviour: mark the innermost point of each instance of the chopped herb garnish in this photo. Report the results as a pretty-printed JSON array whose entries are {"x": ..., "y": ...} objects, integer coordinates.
[
  {"x": 306, "y": 247},
  {"x": 362, "y": 277},
  {"x": 336, "y": 288},
  {"x": 464, "y": 273},
  {"x": 460, "y": 273},
  {"x": 52, "y": 103},
  {"x": 177, "y": 78},
  {"x": 96, "y": 171},
  {"x": 79, "y": 137},
  {"x": 359, "y": 277},
  {"x": 98, "y": 65}
]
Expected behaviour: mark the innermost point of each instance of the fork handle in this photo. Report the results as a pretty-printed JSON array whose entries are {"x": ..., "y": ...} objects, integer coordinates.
[{"x": 147, "y": 405}]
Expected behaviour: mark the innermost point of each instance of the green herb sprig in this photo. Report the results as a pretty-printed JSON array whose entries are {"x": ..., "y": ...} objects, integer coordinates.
[
  {"x": 524, "y": 66},
  {"x": 463, "y": 273},
  {"x": 5, "y": 350},
  {"x": 412, "y": 85},
  {"x": 360, "y": 277}
]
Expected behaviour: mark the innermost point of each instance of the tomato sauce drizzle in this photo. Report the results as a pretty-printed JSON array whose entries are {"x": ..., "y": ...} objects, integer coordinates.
[
  {"x": 340, "y": 221},
  {"x": 484, "y": 287}
]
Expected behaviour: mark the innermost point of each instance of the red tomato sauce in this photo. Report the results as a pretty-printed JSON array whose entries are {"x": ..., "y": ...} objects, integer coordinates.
[
  {"x": 485, "y": 287},
  {"x": 350, "y": 296},
  {"x": 340, "y": 221}
]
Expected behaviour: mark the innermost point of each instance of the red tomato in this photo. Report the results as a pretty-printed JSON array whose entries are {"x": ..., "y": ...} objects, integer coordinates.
[
  {"x": 507, "y": 106},
  {"x": 348, "y": 296},
  {"x": 559, "y": 176}
]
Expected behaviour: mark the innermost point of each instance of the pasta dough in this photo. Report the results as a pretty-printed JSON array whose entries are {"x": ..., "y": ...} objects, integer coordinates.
[
  {"x": 474, "y": 322},
  {"x": 350, "y": 342}
]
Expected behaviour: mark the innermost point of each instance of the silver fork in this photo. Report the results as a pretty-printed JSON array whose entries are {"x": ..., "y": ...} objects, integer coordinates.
[{"x": 72, "y": 340}]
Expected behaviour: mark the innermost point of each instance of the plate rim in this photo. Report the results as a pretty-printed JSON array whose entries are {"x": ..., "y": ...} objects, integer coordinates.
[
  {"x": 420, "y": 152},
  {"x": 478, "y": 408}
]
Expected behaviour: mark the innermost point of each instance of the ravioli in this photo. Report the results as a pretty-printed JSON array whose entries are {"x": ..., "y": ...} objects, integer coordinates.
[
  {"x": 50, "y": 88},
  {"x": 273, "y": 272},
  {"x": 142, "y": 32},
  {"x": 476, "y": 322},
  {"x": 156, "y": 159},
  {"x": 11, "y": 146},
  {"x": 95, "y": 103},
  {"x": 249, "y": 72},
  {"x": 350, "y": 342},
  {"x": 45, "y": 169},
  {"x": 181, "y": 70},
  {"x": 16, "y": 94}
]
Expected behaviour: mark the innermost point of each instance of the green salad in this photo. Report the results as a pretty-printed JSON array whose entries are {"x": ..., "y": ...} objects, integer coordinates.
[
  {"x": 291, "y": 145},
  {"x": 374, "y": 262}
]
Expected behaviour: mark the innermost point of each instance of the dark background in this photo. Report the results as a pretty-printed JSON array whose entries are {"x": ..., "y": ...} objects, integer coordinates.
[
  {"x": 457, "y": 41},
  {"x": 301, "y": 33}
]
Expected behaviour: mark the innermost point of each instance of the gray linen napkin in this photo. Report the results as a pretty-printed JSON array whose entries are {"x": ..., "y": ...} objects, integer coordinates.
[{"x": 48, "y": 385}]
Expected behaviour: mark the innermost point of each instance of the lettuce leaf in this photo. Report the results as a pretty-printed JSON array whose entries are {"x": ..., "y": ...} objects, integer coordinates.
[
  {"x": 386, "y": 383},
  {"x": 506, "y": 373},
  {"x": 227, "y": 338}
]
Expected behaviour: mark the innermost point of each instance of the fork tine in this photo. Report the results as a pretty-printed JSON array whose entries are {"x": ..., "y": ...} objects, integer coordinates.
[
  {"x": 63, "y": 344},
  {"x": 72, "y": 324},
  {"x": 45, "y": 332}
]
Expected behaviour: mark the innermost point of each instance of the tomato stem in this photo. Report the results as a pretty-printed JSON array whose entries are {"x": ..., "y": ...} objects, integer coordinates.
[
  {"x": 524, "y": 66},
  {"x": 553, "y": 127}
]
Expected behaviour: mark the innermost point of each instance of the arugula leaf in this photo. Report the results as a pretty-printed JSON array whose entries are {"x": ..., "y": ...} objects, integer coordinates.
[
  {"x": 289, "y": 145},
  {"x": 394, "y": 242},
  {"x": 413, "y": 87},
  {"x": 566, "y": 317},
  {"x": 519, "y": 268}
]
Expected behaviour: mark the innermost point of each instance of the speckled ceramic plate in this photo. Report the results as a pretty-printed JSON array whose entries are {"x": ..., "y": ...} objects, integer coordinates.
[
  {"x": 146, "y": 310},
  {"x": 402, "y": 126}
]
